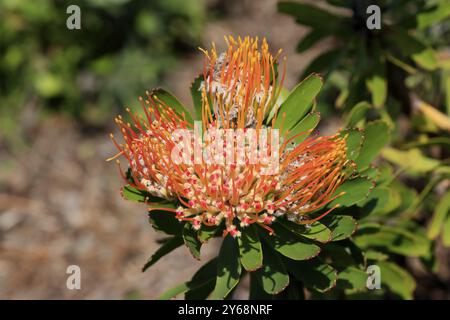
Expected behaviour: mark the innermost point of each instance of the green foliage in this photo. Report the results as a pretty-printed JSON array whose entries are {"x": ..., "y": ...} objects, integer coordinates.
[
  {"x": 122, "y": 47},
  {"x": 396, "y": 68}
]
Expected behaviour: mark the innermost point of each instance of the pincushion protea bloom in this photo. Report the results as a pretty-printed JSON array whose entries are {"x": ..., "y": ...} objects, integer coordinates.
[{"x": 239, "y": 90}]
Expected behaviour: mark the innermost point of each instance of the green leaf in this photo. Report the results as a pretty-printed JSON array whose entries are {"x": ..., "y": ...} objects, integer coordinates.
[
  {"x": 312, "y": 16},
  {"x": 381, "y": 200},
  {"x": 325, "y": 62},
  {"x": 167, "y": 247},
  {"x": 446, "y": 233},
  {"x": 307, "y": 124},
  {"x": 316, "y": 231},
  {"x": 376, "y": 135},
  {"x": 342, "y": 227},
  {"x": 165, "y": 222},
  {"x": 343, "y": 254},
  {"x": 206, "y": 233},
  {"x": 202, "y": 292},
  {"x": 228, "y": 268},
  {"x": 191, "y": 240},
  {"x": 299, "y": 102},
  {"x": 272, "y": 277},
  {"x": 171, "y": 293},
  {"x": 133, "y": 194},
  {"x": 355, "y": 190},
  {"x": 250, "y": 249},
  {"x": 412, "y": 160},
  {"x": 310, "y": 40},
  {"x": 398, "y": 280},
  {"x": 203, "y": 276},
  {"x": 441, "y": 211},
  {"x": 291, "y": 245},
  {"x": 256, "y": 291},
  {"x": 203, "y": 281},
  {"x": 352, "y": 278},
  {"x": 433, "y": 17},
  {"x": 411, "y": 46},
  {"x": 165, "y": 97},
  {"x": 197, "y": 97},
  {"x": 377, "y": 86},
  {"x": 314, "y": 274},
  {"x": 392, "y": 239},
  {"x": 427, "y": 59},
  {"x": 354, "y": 140},
  {"x": 375, "y": 255},
  {"x": 357, "y": 114}
]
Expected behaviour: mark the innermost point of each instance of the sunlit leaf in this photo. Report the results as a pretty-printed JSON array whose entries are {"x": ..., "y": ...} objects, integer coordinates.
[
  {"x": 167, "y": 247},
  {"x": 299, "y": 102},
  {"x": 228, "y": 268},
  {"x": 272, "y": 277},
  {"x": 250, "y": 249}
]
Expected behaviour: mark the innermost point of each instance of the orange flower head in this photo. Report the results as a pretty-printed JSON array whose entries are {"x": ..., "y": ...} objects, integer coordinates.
[{"x": 240, "y": 172}]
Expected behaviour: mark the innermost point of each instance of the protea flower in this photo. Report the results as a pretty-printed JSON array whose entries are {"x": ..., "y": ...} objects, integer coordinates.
[{"x": 252, "y": 173}]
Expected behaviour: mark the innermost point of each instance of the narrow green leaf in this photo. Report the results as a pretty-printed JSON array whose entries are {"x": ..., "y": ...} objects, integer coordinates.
[
  {"x": 376, "y": 135},
  {"x": 168, "y": 246},
  {"x": 310, "y": 40},
  {"x": 325, "y": 62},
  {"x": 228, "y": 268},
  {"x": 446, "y": 233},
  {"x": 250, "y": 249},
  {"x": 165, "y": 97},
  {"x": 203, "y": 281},
  {"x": 306, "y": 125},
  {"x": 314, "y": 274},
  {"x": 441, "y": 211},
  {"x": 299, "y": 102},
  {"x": 357, "y": 114},
  {"x": 191, "y": 240},
  {"x": 171, "y": 293},
  {"x": 342, "y": 227},
  {"x": 203, "y": 276},
  {"x": 202, "y": 292},
  {"x": 272, "y": 277},
  {"x": 197, "y": 97},
  {"x": 291, "y": 245},
  {"x": 312, "y": 16}
]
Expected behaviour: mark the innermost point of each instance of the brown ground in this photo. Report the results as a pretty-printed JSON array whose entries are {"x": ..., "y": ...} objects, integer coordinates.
[{"x": 60, "y": 202}]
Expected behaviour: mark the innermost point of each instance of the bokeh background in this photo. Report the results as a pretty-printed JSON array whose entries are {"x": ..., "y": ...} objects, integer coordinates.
[{"x": 60, "y": 91}]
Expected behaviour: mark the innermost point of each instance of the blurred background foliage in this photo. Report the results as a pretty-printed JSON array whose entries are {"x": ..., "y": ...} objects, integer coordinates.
[{"x": 122, "y": 47}]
